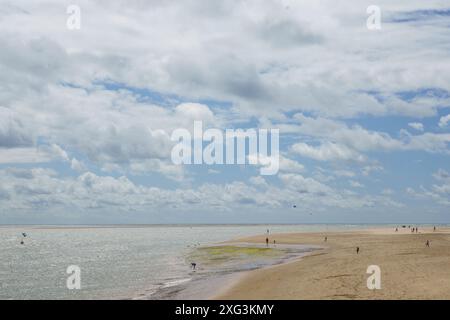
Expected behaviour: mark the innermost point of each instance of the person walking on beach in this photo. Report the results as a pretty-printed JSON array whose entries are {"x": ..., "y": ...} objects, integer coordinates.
[
  {"x": 434, "y": 228},
  {"x": 326, "y": 239},
  {"x": 193, "y": 265},
  {"x": 357, "y": 250},
  {"x": 267, "y": 242},
  {"x": 428, "y": 243}
]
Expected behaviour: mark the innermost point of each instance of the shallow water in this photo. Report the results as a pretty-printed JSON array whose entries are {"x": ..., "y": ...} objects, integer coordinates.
[{"x": 115, "y": 262}]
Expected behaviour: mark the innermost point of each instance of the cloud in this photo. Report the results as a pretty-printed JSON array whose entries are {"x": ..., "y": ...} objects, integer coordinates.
[
  {"x": 416, "y": 125},
  {"x": 303, "y": 185},
  {"x": 442, "y": 175},
  {"x": 39, "y": 188},
  {"x": 355, "y": 184},
  {"x": 287, "y": 33},
  {"x": 422, "y": 15},
  {"x": 39, "y": 154},
  {"x": 444, "y": 120},
  {"x": 438, "y": 193},
  {"x": 258, "y": 181},
  {"x": 367, "y": 170},
  {"x": 356, "y": 137},
  {"x": 327, "y": 152},
  {"x": 13, "y": 132},
  {"x": 77, "y": 165},
  {"x": 256, "y": 68},
  {"x": 194, "y": 112},
  {"x": 289, "y": 165},
  {"x": 66, "y": 96},
  {"x": 338, "y": 141}
]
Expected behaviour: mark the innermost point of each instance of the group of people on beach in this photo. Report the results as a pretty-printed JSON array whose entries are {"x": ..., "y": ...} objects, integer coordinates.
[
  {"x": 267, "y": 242},
  {"x": 414, "y": 229},
  {"x": 267, "y": 239}
]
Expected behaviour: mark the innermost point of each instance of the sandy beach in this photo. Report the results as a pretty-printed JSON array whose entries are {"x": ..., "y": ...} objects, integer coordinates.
[{"x": 409, "y": 269}]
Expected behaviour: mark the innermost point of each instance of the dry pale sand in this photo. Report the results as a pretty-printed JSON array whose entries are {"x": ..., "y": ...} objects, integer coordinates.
[{"x": 409, "y": 270}]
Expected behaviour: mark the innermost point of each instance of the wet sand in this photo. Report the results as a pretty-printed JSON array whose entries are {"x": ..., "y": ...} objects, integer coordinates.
[
  {"x": 409, "y": 269},
  {"x": 220, "y": 266}
]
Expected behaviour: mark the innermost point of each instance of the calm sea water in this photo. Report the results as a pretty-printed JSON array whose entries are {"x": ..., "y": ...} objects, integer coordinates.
[{"x": 115, "y": 262}]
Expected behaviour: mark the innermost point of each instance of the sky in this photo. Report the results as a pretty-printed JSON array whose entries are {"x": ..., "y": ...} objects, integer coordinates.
[{"x": 86, "y": 115}]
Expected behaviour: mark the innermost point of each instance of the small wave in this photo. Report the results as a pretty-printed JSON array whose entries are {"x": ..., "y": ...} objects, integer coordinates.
[{"x": 175, "y": 282}]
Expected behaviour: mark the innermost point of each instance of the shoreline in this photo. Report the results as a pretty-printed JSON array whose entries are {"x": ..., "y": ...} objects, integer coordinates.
[
  {"x": 409, "y": 269},
  {"x": 213, "y": 281}
]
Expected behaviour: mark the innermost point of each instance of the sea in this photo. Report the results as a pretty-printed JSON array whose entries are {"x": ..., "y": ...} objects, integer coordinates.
[{"x": 125, "y": 262}]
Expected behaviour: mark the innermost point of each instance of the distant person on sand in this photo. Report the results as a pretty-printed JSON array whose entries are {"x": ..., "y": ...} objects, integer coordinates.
[
  {"x": 274, "y": 242},
  {"x": 267, "y": 241},
  {"x": 396, "y": 229},
  {"x": 434, "y": 228},
  {"x": 193, "y": 265},
  {"x": 357, "y": 250},
  {"x": 417, "y": 230},
  {"x": 326, "y": 239},
  {"x": 428, "y": 243}
]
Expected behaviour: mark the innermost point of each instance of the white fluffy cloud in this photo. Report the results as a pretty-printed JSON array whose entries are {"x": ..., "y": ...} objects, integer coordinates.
[
  {"x": 416, "y": 125},
  {"x": 106, "y": 97},
  {"x": 338, "y": 141},
  {"x": 443, "y": 121},
  {"x": 261, "y": 56},
  {"x": 43, "y": 188},
  {"x": 13, "y": 132},
  {"x": 438, "y": 193},
  {"x": 327, "y": 151}
]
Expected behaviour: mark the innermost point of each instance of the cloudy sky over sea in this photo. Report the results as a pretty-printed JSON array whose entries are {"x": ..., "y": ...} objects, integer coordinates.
[{"x": 86, "y": 115}]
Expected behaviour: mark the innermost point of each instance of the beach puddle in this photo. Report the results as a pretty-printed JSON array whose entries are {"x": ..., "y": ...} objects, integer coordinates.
[
  {"x": 217, "y": 266},
  {"x": 232, "y": 257}
]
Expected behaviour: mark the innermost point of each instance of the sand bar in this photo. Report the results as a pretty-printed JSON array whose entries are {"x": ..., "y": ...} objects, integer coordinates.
[{"x": 409, "y": 269}]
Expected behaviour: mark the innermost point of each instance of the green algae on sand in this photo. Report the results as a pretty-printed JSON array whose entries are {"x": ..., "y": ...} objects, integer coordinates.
[{"x": 222, "y": 254}]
